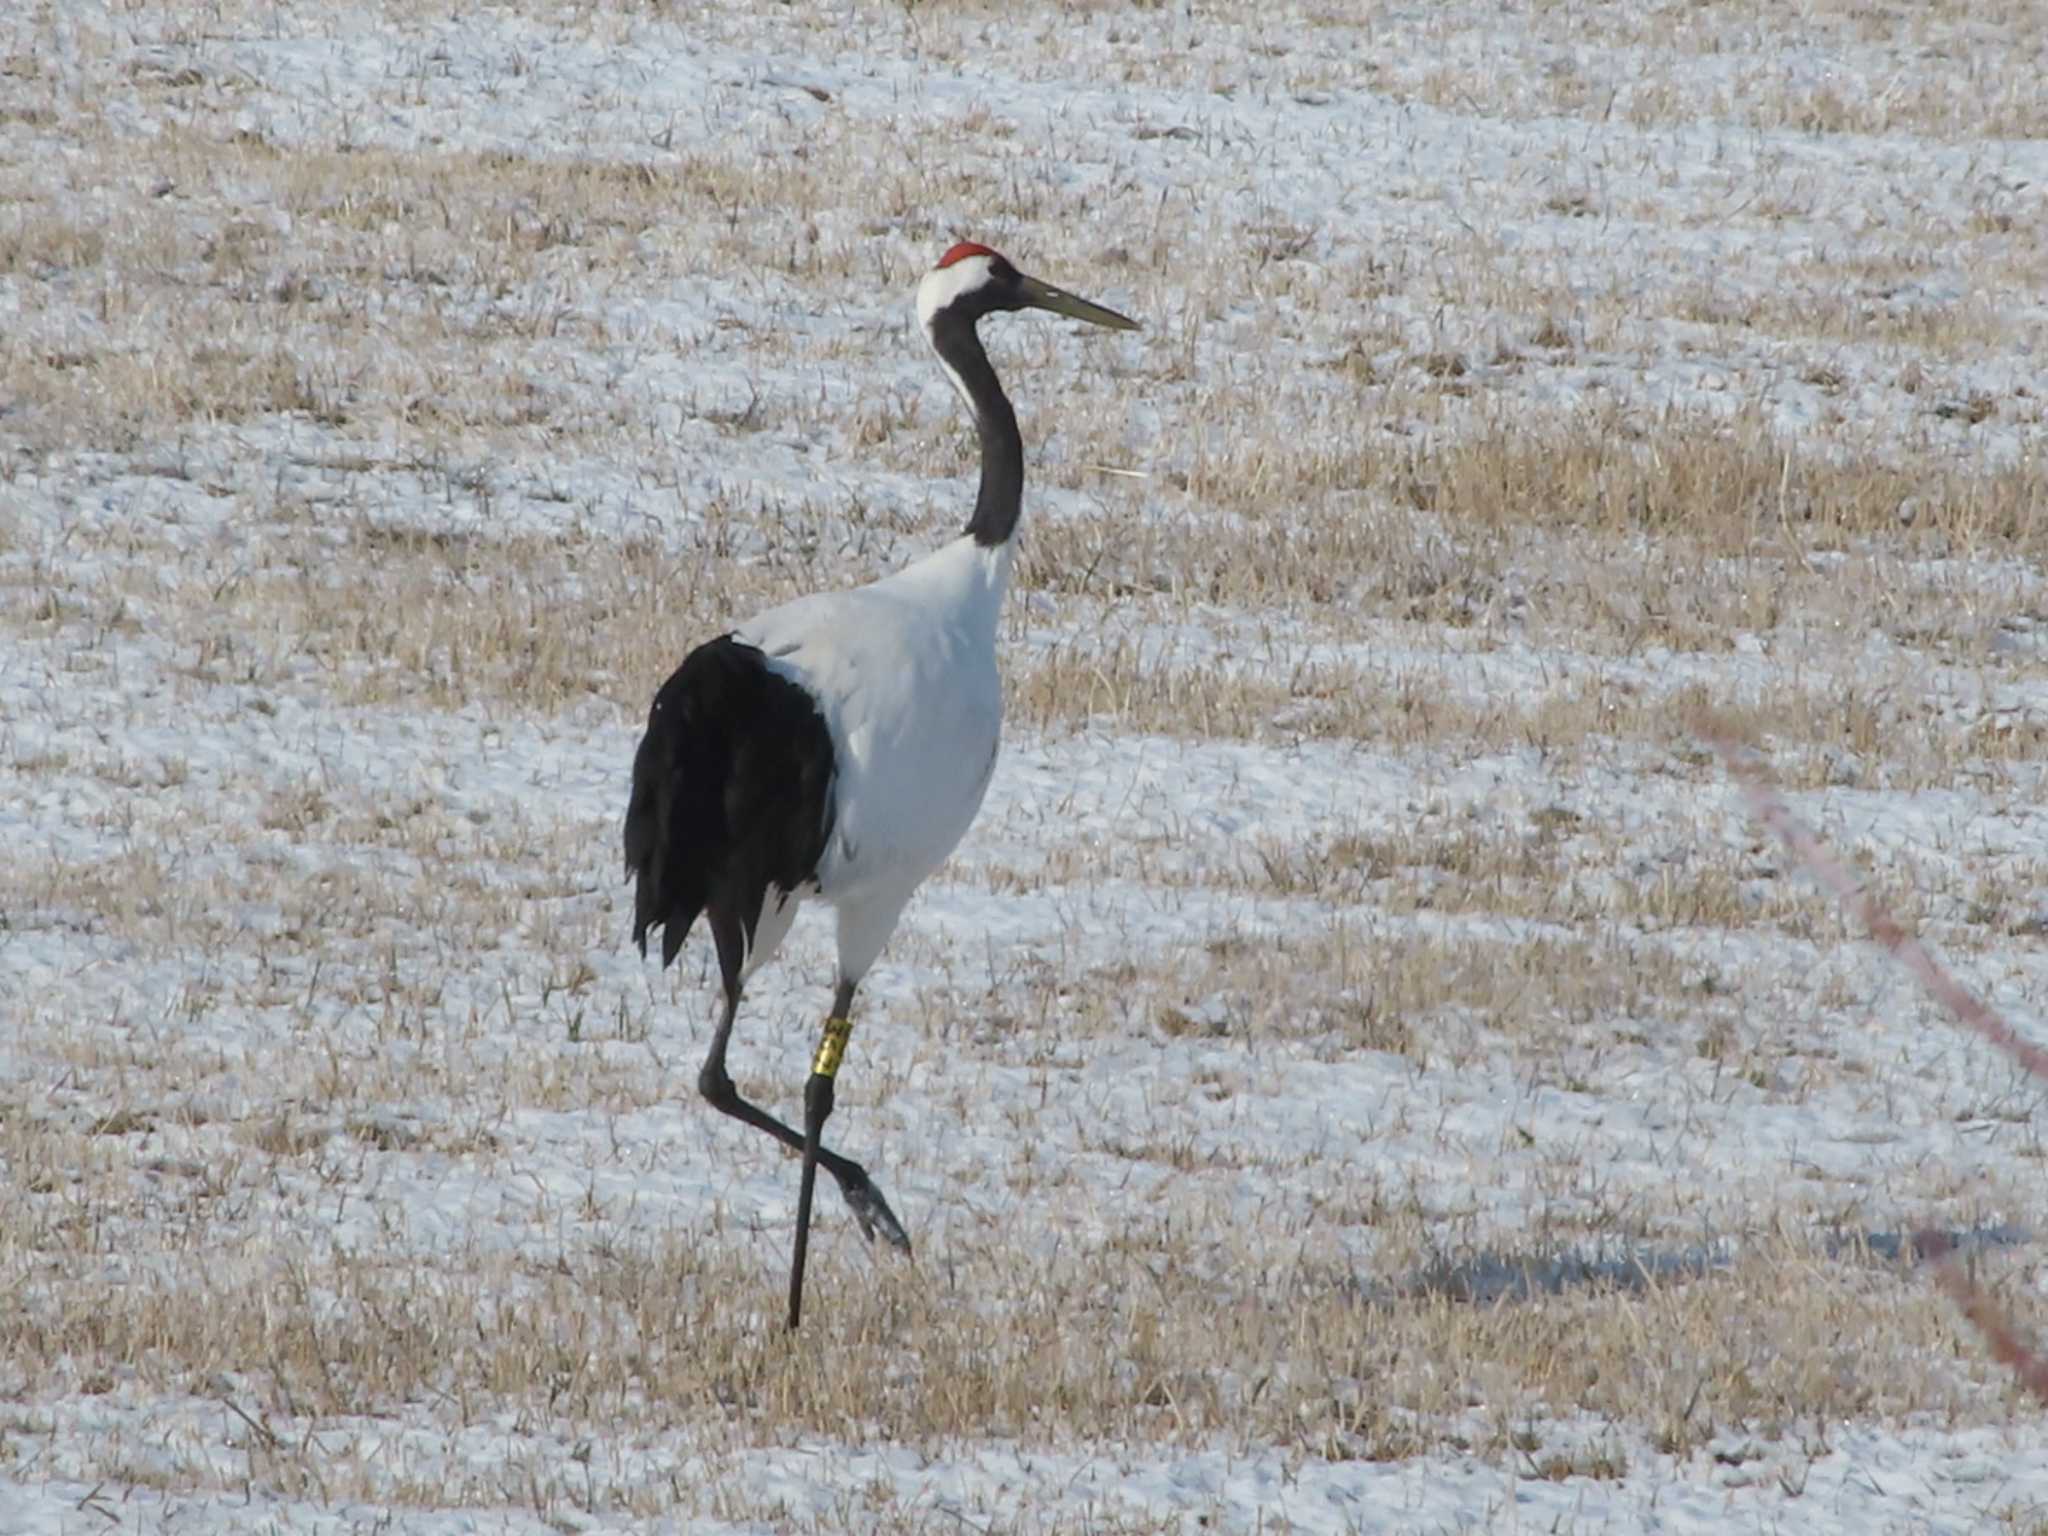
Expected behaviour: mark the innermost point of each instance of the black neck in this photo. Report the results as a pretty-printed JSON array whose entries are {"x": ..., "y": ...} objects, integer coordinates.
[{"x": 1002, "y": 449}]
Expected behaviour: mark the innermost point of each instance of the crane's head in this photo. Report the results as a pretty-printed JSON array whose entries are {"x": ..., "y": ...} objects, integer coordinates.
[{"x": 971, "y": 281}]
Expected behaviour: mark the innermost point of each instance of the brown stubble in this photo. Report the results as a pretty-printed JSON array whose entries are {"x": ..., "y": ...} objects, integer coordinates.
[{"x": 1330, "y": 501}]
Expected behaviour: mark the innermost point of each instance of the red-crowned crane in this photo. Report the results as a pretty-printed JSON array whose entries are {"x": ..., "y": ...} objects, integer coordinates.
[{"x": 839, "y": 746}]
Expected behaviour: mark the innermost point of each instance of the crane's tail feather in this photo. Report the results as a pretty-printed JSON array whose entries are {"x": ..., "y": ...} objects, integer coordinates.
[{"x": 732, "y": 793}]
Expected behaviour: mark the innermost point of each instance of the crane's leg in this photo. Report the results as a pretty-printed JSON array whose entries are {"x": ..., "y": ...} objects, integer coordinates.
[
  {"x": 817, "y": 1110},
  {"x": 715, "y": 1083}
]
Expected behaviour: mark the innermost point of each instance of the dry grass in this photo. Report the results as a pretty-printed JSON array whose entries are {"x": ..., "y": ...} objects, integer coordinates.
[
  {"x": 1688, "y": 62},
  {"x": 338, "y": 1119},
  {"x": 1206, "y": 623},
  {"x": 1145, "y": 1339}
]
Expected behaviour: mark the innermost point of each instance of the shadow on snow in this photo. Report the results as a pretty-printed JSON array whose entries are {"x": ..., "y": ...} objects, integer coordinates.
[{"x": 1496, "y": 1276}]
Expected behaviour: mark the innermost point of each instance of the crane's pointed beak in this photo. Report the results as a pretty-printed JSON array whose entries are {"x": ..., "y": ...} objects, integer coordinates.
[{"x": 1044, "y": 296}]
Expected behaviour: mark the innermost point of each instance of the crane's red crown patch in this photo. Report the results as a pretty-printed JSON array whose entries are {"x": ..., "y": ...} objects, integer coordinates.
[{"x": 962, "y": 251}]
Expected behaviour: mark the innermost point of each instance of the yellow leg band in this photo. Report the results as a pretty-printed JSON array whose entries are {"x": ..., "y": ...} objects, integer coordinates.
[{"x": 832, "y": 1047}]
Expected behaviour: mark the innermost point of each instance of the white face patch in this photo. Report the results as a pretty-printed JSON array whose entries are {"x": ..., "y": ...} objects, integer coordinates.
[{"x": 942, "y": 285}]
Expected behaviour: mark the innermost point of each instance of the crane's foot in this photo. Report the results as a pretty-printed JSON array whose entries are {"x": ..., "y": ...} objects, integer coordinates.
[{"x": 870, "y": 1209}]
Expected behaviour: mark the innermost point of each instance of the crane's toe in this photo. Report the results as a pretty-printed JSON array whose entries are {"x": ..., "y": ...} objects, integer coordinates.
[{"x": 871, "y": 1210}]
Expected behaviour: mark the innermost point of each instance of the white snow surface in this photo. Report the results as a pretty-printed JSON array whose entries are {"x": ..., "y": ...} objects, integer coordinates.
[{"x": 113, "y": 745}]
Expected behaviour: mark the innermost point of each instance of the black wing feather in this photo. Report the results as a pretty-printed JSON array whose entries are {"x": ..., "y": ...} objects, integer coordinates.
[{"x": 732, "y": 793}]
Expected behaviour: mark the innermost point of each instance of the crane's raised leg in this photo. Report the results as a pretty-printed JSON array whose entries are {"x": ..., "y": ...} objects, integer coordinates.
[{"x": 713, "y": 1081}]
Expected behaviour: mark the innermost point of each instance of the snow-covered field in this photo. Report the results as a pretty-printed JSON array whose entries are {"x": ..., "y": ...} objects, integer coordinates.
[{"x": 1363, "y": 1072}]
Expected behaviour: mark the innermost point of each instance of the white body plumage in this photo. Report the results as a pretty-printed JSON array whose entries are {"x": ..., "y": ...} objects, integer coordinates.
[{"x": 904, "y": 673}]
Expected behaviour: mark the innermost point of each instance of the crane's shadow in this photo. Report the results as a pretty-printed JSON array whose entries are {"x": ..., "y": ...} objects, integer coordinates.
[{"x": 1494, "y": 1276}]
